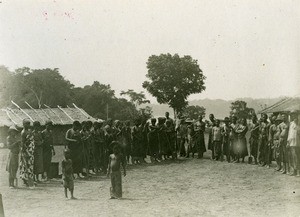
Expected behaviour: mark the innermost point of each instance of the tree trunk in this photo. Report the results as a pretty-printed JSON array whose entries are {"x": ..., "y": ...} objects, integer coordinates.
[{"x": 175, "y": 115}]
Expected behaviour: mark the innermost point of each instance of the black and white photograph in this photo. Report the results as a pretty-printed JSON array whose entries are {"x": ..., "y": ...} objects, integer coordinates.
[{"x": 149, "y": 108}]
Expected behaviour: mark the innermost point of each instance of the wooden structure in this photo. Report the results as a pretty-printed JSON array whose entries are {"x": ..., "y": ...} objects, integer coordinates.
[
  {"x": 62, "y": 119},
  {"x": 283, "y": 106}
]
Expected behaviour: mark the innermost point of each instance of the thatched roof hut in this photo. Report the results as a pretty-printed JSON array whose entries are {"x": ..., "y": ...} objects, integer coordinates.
[
  {"x": 62, "y": 119},
  {"x": 284, "y": 106}
]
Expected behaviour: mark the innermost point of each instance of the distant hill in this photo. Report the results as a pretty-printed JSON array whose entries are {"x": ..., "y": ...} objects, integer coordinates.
[{"x": 220, "y": 108}]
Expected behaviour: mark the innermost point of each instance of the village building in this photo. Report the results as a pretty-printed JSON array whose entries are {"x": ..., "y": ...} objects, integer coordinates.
[
  {"x": 285, "y": 106},
  {"x": 62, "y": 119}
]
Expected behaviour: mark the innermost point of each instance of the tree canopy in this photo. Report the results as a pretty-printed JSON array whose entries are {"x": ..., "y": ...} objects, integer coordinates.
[
  {"x": 35, "y": 86},
  {"x": 194, "y": 112},
  {"x": 240, "y": 110},
  {"x": 171, "y": 79},
  {"x": 47, "y": 86}
]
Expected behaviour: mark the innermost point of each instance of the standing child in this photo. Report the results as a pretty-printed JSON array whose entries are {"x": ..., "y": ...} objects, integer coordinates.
[
  {"x": 13, "y": 159},
  {"x": 114, "y": 170},
  {"x": 67, "y": 172}
]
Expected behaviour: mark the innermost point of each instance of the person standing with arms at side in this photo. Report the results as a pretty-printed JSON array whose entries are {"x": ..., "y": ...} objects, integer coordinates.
[
  {"x": 137, "y": 142},
  {"x": 27, "y": 155},
  {"x": 293, "y": 142},
  {"x": 182, "y": 137},
  {"x": 116, "y": 159},
  {"x": 217, "y": 140},
  {"x": 199, "y": 128},
  {"x": 67, "y": 174},
  {"x": 284, "y": 128},
  {"x": 96, "y": 145},
  {"x": 153, "y": 141},
  {"x": 38, "y": 150},
  {"x": 240, "y": 147},
  {"x": 145, "y": 144},
  {"x": 48, "y": 149},
  {"x": 233, "y": 136},
  {"x": 210, "y": 139},
  {"x": 225, "y": 131},
  {"x": 13, "y": 159},
  {"x": 126, "y": 131},
  {"x": 276, "y": 144},
  {"x": 263, "y": 140},
  {"x": 171, "y": 136},
  {"x": 271, "y": 132},
  {"x": 73, "y": 138},
  {"x": 254, "y": 135}
]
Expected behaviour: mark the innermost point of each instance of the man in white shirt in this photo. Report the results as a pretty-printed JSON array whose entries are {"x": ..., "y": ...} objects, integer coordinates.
[{"x": 293, "y": 142}]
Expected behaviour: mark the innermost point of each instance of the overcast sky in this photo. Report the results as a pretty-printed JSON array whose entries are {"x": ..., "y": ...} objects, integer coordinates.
[{"x": 245, "y": 48}]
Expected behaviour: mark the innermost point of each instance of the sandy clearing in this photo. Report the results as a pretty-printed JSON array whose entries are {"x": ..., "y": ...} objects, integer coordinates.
[{"x": 187, "y": 187}]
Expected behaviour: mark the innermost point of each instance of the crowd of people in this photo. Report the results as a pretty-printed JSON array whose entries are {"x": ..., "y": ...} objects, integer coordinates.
[
  {"x": 274, "y": 138},
  {"x": 90, "y": 145}
]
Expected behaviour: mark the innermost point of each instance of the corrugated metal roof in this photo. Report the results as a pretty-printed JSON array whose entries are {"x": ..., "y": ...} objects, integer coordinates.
[
  {"x": 285, "y": 105},
  {"x": 59, "y": 116}
]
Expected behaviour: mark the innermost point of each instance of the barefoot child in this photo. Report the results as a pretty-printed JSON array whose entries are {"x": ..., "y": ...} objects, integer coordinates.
[
  {"x": 114, "y": 170},
  {"x": 67, "y": 171}
]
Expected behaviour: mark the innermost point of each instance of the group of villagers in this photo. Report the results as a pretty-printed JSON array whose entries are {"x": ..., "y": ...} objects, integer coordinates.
[{"x": 105, "y": 147}]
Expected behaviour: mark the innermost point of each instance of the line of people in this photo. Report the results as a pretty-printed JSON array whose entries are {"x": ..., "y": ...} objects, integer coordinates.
[
  {"x": 32, "y": 152},
  {"x": 90, "y": 144},
  {"x": 271, "y": 138},
  {"x": 276, "y": 138}
]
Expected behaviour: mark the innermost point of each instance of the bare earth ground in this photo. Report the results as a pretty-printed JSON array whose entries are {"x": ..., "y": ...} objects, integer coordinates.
[{"x": 189, "y": 187}]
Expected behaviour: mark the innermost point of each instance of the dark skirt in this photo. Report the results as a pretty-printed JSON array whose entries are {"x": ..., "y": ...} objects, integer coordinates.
[
  {"x": 253, "y": 146},
  {"x": 226, "y": 146},
  {"x": 172, "y": 141},
  {"x": 12, "y": 165},
  {"x": 47, "y": 158},
  {"x": 38, "y": 161},
  {"x": 164, "y": 143},
  {"x": 153, "y": 144},
  {"x": 200, "y": 143},
  {"x": 76, "y": 157},
  {"x": 137, "y": 148}
]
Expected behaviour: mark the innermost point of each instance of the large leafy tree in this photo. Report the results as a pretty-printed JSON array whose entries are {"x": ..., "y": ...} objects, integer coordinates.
[
  {"x": 95, "y": 98},
  {"x": 240, "y": 110},
  {"x": 138, "y": 99},
  {"x": 37, "y": 87},
  {"x": 194, "y": 112},
  {"x": 46, "y": 86},
  {"x": 122, "y": 109},
  {"x": 99, "y": 100},
  {"x": 171, "y": 79}
]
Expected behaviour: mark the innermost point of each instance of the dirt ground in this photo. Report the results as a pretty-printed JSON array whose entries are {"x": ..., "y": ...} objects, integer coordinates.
[{"x": 186, "y": 187}]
